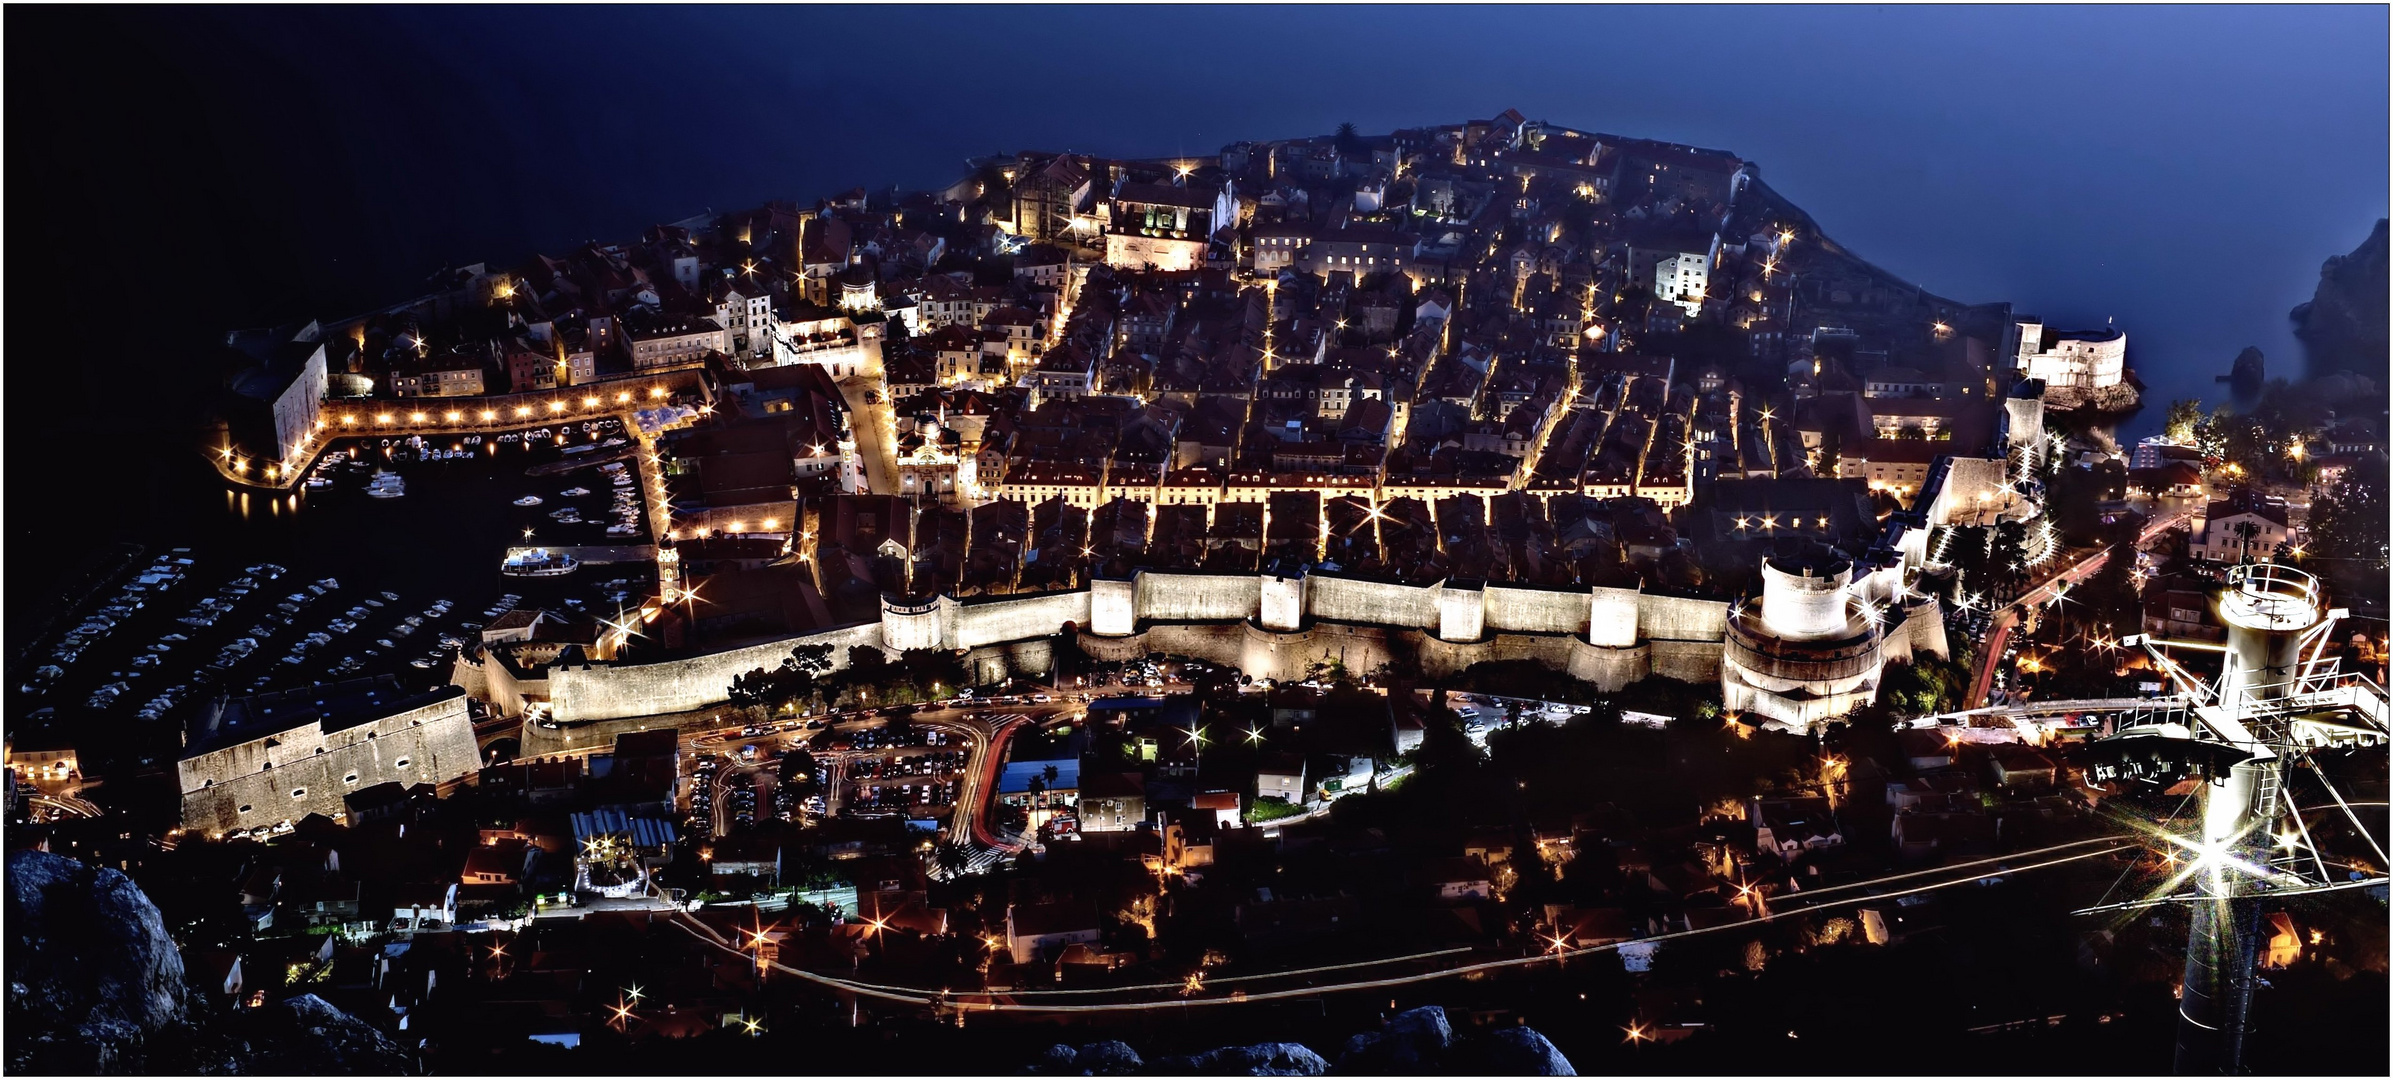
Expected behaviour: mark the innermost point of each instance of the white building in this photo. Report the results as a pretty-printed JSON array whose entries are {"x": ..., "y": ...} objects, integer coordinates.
[
  {"x": 663, "y": 341},
  {"x": 1681, "y": 279},
  {"x": 745, "y": 310},
  {"x": 2083, "y": 359},
  {"x": 2232, "y": 529}
]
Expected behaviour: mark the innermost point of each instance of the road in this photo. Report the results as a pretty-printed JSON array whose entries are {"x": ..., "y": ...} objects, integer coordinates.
[
  {"x": 1998, "y": 635},
  {"x": 982, "y": 730},
  {"x": 876, "y": 435}
]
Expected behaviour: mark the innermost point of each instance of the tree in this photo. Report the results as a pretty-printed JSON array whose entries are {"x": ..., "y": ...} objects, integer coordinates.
[
  {"x": 2347, "y": 531},
  {"x": 795, "y": 679},
  {"x": 950, "y": 857},
  {"x": 1924, "y": 686},
  {"x": 2007, "y": 566},
  {"x": 2185, "y": 414},
  {"x": 867, "y": 666},
  {"x": 933, "y": 671},
  {"x": 1348, "y": 143},
  {"x": 799, "y": 773}
]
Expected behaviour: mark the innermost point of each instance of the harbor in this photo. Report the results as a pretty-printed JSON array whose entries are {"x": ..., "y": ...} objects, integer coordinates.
[{"x": 386, "y": 561}]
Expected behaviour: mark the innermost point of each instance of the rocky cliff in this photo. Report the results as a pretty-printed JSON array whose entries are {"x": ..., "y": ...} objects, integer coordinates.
[
  {"x": 96, "y": 985},
  {"x": 1416, "y": 1042},
  {"x": 2343, "y": 325},
  {"x": 92, "y": 974}
]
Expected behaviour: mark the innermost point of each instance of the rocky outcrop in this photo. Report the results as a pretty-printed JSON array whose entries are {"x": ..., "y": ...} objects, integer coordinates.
[
  {"x": 2343, "y": 325},
  {"x": 2120, "y": 399},
  {"x": 1109, "y": 1058},
  {"x": 1261, "y": 1059},
  {"x": 2249, "y": 374},
  {"x": 92, "y": 973},
  {"x": 1415, "y": 1042},
  {"x": 96, "y": 985},
  {"x": 1517, "y": 1051},
  {"x": 307, "y": 1036}
]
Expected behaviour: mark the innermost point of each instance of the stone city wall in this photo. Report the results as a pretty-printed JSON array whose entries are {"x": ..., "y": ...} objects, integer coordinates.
[
  {"x": 1356, "y": 600},
  {"x": 542, "y": 740},
  {"x": 982, "y": 621},
  {"x": 1533, "y": 610},
  {"x": 762, "y": 518},
  {"x": 610, "y": 691},
  {"x": 1167, "y": 596},
  {"x": 1609, "y": 636}
]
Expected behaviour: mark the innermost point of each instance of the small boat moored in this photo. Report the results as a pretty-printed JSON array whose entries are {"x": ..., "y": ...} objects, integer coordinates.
[{"x": 539, "y": 562}]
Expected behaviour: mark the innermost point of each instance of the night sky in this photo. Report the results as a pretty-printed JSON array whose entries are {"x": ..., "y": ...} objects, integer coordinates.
[{"x": 177, "y": 172}]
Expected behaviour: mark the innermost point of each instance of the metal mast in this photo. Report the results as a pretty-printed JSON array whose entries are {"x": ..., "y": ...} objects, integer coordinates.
[{"x": 2275, "y": 700}]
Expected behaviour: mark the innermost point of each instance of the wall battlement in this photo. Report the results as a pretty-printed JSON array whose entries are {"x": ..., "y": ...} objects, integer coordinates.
[{"x": 1271, "y": 626}]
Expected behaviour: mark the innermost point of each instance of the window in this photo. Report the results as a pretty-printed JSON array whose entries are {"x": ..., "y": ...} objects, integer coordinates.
[
  {"x": 401, "y": 763},
  {"x": 349, "y": 779},
  {"x": 299, "y": 793}
]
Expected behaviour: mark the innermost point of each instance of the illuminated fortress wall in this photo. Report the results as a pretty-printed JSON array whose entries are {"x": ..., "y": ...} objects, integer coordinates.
[{"x": 1266, "y": 625}]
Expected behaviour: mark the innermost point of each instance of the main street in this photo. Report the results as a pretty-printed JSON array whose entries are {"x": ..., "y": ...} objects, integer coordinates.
[{"x": 870, "y": 416}]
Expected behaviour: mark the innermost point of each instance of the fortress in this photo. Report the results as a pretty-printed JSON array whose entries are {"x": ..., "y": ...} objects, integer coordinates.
[
  {"x": 261, "y": 763},
  {"x": 1278, "y": 626}
]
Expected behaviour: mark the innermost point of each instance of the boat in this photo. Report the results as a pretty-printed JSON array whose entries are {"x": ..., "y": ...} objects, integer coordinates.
[
  {"x": 528, "y": 500},
  {"x": 386, "y": 485},
  {"x": 574, "y": 492},
  {"x": 389, "y": 595},
  {"x": 539, "y": 562}
]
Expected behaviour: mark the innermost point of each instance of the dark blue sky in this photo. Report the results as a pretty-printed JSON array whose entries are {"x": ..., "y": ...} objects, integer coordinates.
[{"x": 2182, "y": 169}]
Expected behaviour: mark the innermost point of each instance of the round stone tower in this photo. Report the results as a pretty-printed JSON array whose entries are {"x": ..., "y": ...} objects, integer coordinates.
[
  {"x": 911, "y": 623},
  {"x": 1804, "y": 599}
]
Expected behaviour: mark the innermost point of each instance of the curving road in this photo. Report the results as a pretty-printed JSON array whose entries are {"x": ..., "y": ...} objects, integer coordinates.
[
  {"x": 1981, "y": 682},
  {"x": 982, "y": 730}
]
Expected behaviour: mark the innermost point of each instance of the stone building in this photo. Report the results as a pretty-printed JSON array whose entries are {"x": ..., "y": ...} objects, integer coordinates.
[
  {"x": 1816, "y": 642},
  {"x": 2076, "y": 359},
  {"x": 262, "y": 763}
]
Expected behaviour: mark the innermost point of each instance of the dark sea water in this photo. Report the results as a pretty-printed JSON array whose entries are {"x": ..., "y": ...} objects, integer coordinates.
[{"x": 179, "y": 172}]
